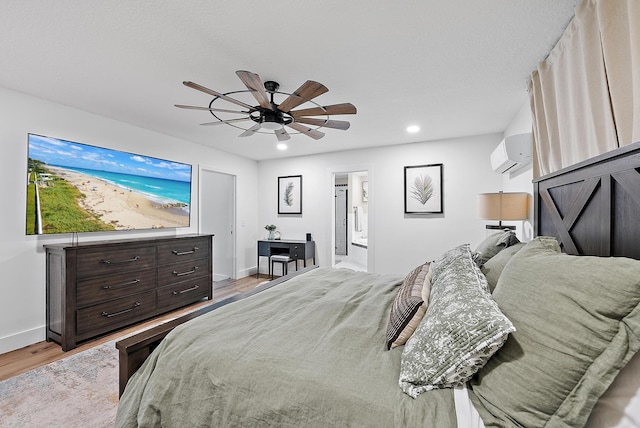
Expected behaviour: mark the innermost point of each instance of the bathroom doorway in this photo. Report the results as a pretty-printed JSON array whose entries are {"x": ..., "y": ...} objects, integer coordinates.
[{"x": 351, "y": 225}]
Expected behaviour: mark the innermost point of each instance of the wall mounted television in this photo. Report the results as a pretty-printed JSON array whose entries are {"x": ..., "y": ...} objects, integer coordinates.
[{"x": 74, "y": 187}]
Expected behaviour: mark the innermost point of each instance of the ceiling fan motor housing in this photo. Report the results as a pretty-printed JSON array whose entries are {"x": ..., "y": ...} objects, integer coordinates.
[{"x": 271, "y": 86}]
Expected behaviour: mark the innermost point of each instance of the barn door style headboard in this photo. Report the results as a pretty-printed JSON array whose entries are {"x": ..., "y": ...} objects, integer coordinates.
[{"x": 593, "y": 207}]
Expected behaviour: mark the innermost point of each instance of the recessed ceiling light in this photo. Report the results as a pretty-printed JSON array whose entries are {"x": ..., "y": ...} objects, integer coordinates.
[
  {"x": 282, "y": 146},
  {"x": 413, "y": 129}
]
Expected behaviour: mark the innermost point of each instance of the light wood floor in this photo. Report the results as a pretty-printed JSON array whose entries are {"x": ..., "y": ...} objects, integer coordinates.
[{"x": 30, "y": 357}]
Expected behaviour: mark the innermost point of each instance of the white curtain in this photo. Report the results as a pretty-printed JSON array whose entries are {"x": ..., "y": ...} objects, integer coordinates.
[
  {"x": 585, "y": 96},
  {"x": 620, "y": 28}
]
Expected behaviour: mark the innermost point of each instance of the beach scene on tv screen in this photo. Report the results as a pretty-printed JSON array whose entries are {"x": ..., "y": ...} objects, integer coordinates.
[{"x": 74, "y": 187}]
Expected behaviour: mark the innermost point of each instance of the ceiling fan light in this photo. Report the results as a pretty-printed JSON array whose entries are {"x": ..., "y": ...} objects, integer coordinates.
[{"x": 272, "y": 126}]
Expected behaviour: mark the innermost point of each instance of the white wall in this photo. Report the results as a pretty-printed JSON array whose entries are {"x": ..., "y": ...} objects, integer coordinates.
[
  {"x": 397, "y": 242},
  {"x": 22, "y": 259}
]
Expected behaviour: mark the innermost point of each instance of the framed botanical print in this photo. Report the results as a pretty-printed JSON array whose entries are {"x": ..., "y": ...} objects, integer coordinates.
[
  {"x": 290, "y": 194},
  {"x": 423, "y": 189}
]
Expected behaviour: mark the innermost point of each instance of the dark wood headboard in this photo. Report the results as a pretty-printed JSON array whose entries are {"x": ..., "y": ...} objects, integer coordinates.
[{"x": 593, "y": 207}]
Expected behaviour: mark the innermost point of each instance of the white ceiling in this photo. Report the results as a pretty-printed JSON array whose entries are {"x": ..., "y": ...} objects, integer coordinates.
[{"x": 454, "y": 67}]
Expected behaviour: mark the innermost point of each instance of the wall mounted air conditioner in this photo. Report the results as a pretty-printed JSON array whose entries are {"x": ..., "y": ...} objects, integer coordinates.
[{"x": 512, "y": 153}]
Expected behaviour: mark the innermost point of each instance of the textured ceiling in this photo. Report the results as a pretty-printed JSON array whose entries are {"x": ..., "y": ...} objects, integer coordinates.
[{"x": 455, "y": 68}]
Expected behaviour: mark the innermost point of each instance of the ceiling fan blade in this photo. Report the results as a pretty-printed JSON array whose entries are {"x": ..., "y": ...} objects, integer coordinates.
[
  {"x": 218, "y": 94},
  {"x": 253, "y": 82},
  {"x": 250, "y": 131},
  {"x": 344, "y": 108},
  {"x": 211, "y": 109},
  {"x": 308, "y": 91},
  {"x": 220, "y": 122},
  {"x": 282, "y": 134},
  {"x": 336, "y": 124},
  {"x": 313, "y": 133}
]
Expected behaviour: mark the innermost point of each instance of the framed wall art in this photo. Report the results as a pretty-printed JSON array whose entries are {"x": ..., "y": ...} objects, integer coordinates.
[
  {"x": 423, "y": 189},
  {"x": 290, "y": 194}
]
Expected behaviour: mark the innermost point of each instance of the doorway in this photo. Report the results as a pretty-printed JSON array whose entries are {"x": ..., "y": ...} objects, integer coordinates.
[
  {"x": 350, "y": 216},
  {"x": 217, "y": 217}
]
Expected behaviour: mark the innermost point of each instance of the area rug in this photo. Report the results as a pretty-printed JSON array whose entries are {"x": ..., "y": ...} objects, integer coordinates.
[{"x": 76, "y": 391}]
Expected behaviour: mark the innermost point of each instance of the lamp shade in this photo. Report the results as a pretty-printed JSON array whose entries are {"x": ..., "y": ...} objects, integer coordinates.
[{"x": 503, "y": 206}]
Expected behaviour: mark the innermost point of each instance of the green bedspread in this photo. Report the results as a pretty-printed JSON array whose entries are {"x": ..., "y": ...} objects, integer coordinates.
[{"x": 306, "y": 353}]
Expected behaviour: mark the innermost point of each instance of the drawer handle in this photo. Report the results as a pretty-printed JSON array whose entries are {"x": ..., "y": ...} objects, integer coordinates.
[
  {"x": 108, "y": 287},
  {"x": 195, "y": 287},
  {"x": 189, "y": 272},
  {"x": 108, "y": 315},
  {"x": 108, "y": 262},
  {"x": 184, "y": 253}
]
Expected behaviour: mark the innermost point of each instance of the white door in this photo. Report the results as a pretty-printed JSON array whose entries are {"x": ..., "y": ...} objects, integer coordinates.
[{"x": 217, "y": 217}]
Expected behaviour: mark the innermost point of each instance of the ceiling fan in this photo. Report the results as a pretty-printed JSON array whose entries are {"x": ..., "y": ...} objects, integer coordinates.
[{"x": 268, "y": 116}]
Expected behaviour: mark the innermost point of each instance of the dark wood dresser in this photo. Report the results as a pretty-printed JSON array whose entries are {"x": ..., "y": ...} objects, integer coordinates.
[{"x": 97, "y": 287}]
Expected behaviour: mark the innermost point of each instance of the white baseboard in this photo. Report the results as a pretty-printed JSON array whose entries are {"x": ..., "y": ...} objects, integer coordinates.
[
  {"x": 22, "y": 339},
  {"x": 246, "y": 272},
  {"x": 219, "y": 277}
]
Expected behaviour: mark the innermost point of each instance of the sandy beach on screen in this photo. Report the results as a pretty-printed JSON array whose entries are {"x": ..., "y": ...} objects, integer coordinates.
[{"x": 123, "y": 208}]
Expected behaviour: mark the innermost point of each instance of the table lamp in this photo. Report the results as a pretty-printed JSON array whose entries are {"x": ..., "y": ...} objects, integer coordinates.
[{"x": 503, "y": 206}]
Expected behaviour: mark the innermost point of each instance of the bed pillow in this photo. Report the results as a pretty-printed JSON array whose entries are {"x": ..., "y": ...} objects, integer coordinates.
[
  {"x": 494, "y": 266},
  {"x": 462, "y": 328},
  {"x": 495, "y": 243},
  {"x": 578, "y": 324},
  {"x": 408, "y": 307},
  {"x": 619, "y": 406}
]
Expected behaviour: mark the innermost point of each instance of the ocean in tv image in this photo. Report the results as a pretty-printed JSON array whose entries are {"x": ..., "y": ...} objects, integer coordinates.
[{"x": 74, "y": 187}]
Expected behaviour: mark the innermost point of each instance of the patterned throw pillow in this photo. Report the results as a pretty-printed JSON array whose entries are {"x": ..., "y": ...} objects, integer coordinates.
[
  {"x": 426, "y": 289},
  {"x": 446, "y": 259},
  {"x": 462, "y": 329},
  {"x": 407, "y": 308}
]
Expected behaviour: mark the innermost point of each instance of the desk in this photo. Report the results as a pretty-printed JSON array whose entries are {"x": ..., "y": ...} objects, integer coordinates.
[{"x": 297, "y": 250}]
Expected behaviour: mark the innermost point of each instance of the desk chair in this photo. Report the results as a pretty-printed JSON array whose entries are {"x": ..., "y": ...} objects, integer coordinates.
[{"x": 284, "y": 259}]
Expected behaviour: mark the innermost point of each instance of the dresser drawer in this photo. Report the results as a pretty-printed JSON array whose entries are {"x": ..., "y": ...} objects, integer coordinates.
[
  {"x": 183, "y": 293},
  {"x": 108, "y": 287},
  {"x": 96, "y": 263},
  {"x": 182, "y": 271},
  {"x": 117, "y": 313},
  {"x": 183, "y": 249}
]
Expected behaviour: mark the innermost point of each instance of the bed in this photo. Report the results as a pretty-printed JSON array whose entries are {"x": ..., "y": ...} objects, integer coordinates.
[{"x": 544, "y": 333}]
